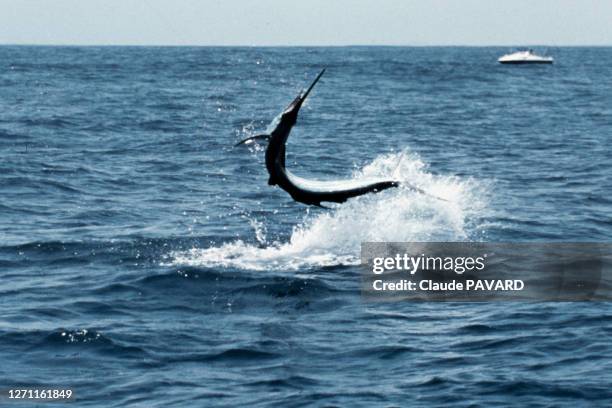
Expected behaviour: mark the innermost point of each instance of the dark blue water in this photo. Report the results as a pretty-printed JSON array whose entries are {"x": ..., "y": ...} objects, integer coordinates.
[{"x": 145, "y": 262}]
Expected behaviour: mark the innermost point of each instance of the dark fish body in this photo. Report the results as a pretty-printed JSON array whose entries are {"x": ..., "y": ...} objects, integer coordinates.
[{"x": 309, "y": 192}]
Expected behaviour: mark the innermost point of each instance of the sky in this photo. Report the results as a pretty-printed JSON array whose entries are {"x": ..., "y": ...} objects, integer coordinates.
[{"x": 306, "y": 22}]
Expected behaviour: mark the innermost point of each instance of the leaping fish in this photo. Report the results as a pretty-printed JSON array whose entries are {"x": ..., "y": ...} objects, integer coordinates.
[{"x": 311, "y": 192}]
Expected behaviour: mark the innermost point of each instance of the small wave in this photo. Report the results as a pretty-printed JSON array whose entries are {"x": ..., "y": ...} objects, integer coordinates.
[
  {"x": 334, "y": 237},
  {"x": 231, "y": 355},
  {"x": 244, "y": 354},
  {"x": 68, "y": 339},
  {"x": 75, "y": 336},
  {"x": 53, "y": 122},
  {"x": 91, "y": 340},
  {"x": 294, "y": 381}
]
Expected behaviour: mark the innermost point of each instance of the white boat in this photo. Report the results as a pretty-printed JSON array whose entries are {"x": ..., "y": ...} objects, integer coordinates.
[{"x": 525, "y": 57}]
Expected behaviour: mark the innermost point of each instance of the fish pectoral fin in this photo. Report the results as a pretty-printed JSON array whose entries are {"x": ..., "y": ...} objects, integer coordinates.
[{"x": 248, "y": 140}]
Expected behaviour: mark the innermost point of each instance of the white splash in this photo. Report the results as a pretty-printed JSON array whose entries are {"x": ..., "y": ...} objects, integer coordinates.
[
  {"x": 334, "y": 237},
  {"x": 260, "y": 230}
]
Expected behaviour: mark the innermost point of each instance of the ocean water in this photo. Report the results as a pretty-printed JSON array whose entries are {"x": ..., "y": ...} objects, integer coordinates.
[{"x": 145, "y": 262}]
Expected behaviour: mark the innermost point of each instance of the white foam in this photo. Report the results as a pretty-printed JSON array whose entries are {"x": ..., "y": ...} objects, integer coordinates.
[{"x": 334, "y": 237}]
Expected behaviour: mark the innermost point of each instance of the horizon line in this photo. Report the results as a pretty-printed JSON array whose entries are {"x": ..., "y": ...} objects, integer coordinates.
[{"x": 296, "y": 45}]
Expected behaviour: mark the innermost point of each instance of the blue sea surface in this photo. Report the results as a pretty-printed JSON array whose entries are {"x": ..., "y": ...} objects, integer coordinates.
[{"x": 145, "y": 262}]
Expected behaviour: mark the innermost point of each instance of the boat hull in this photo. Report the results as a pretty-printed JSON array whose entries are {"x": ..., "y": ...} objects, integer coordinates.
[{"x": 525, "y": 62}]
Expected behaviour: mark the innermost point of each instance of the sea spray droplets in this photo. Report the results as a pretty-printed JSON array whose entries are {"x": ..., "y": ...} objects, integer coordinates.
[
  {"x": 79, "y": 336},
  {"x": 260, "y": 230},
  {"x": 334, "y": 237}
]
